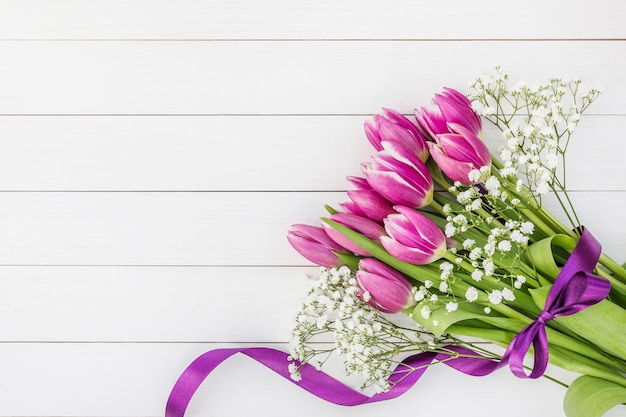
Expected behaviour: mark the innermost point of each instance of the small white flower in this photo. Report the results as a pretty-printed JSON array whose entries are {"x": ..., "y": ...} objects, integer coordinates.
[
  {"x": 434, "y": 298},
  {"x": 294, "y": 372},
  {"x": 527, "y": 227},
  {"x": 489, "y": 267},
  {"x": 477, "y": 275},
  {"x": 468, "y": 244},
  {"x": 552, "y": 160},
  {"x": 425, "y": 312},
  {"x": 495, "y": 297},
  {"x": 443, "y": 286},
  {"x": 504, "y": 246},
  {"x": 519, "y": 281},
  {"x": 487, "y": 310},
  {"x": 428, "y": 283},
  {"x": 492, "y": 184},
  {"x": 474, "y": 175},
  {"x": 451, "y": 306},
  {"x": 508, "y": 295},
  {"x": 471, "y": 294},
  {"x": 419, "y": 295},
  {"x": 475, "y": 253}
]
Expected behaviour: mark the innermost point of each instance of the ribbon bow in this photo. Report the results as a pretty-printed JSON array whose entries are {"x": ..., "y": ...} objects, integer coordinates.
[{"x": 575, "y": 289}]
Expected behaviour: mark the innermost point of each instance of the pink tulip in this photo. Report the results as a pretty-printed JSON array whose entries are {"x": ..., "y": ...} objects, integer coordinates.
[
  {"x": 315, "y": 245},
  {"x": 455, "y": 129},
  {"x": 413, "y": 237},
  {"x": 389, "y": 290},
  {"x": 368, "y": 203},
  {"x": 460, "y": 152},
  {"x": 450, "y": 106},
  {"x": 364, "y": 226},
  {"x": 399, "y": 176},
  {"x": 391, "y": 126}
]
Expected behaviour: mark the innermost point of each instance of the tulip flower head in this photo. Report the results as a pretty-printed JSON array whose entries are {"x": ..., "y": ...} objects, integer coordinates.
[
  {"x": 399, "y": 176},
  {"x": 388, "y": 290},
  {"x": 391, "y": 126},
  {"x": 413, "y": 237},
  {"x": 368, "y": 203},
  {"x": 450, "y": 106},
  {"x": 455, "y": 130},
  {"x": 364, "y": 226},
  {"x": 315, "y": 245},
  {"x": 459, "y": 153}
]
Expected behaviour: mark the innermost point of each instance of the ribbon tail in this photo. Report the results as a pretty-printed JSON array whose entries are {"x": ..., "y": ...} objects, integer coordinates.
[
  {"x": 320, "y": 384},
  {"x": 534, "y": 334}
]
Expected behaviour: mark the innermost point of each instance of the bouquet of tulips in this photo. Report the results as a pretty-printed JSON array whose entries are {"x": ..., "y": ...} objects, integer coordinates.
[{"x": 459, "y": 240}]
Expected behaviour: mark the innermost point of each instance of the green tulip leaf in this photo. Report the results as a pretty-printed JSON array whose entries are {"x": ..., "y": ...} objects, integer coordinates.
[
  {"x": 592, "y": 397},
  {"x": 541, "y": 255}
]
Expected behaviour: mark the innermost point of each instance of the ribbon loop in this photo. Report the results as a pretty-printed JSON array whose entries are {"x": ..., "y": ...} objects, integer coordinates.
[{"x": 575, "y": 289}]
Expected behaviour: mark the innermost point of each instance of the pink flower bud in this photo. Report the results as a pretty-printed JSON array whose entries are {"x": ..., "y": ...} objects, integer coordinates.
[
  {"x": 368, "y": 203},
  {"x": 364, "y": 226},
  {"x": 389, "y": 290},
  {"x": 399, "y": 176},
  {"x": 460, "y": 152},
  {"x": 315, "y": 245},
  {"x": 391, "y": 126},
  {"x": 455, "y": 129},
  {"x": 413, "y": 237},
  {"x": 450, "y": 106}
]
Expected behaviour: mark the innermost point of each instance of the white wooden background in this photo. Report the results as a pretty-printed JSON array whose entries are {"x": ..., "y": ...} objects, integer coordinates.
[{"x": 154, "y": 153}]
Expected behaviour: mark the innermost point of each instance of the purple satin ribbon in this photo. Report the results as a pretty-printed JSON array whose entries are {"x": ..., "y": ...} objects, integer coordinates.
[
  {"x": 317, "y": 382},
  {"x": 574, "y": 290}
]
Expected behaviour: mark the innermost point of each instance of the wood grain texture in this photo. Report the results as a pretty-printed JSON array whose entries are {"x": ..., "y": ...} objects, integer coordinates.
[
  {"x": 235, "y": 153},
  {"x": 213, "y": 229},
  {"x": 310, "y": 19},
  {"x": 280, "y": 77},
  {"x": 154, "y": 153}
]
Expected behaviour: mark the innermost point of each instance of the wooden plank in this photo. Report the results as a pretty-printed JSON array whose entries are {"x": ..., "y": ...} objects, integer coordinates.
[
  {"x": 129, "y": 380},
  {"x": 150, "y": 304},
  {"x": 279, "y": 77},
  {"x": 199, "y": 228},
  {"x": 326, "y": 19},
  {"x": 235, "y": 153}
]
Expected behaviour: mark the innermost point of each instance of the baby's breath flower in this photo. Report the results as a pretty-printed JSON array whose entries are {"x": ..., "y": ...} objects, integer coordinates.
[{"x": 471, "y": 294}]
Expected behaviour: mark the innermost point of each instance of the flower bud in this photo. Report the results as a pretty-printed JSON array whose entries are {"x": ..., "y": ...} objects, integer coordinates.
[
  {"x": 459, "y": 153},
  {"x": 364, "y": 226},
  {"x": 455, "y": 129},
  {"x": 450, "y": 106},
  {"x": 315, "y": 245},
  {"x": 389, "y": 291},
  {"x": 399, "y": 176},
  {"x": 368, "y": 203},
  {"x": 413, "y": 237},
  {"x": 391, "y": 126}
]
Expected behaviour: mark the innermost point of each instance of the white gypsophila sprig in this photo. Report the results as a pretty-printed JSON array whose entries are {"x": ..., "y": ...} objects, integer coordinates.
[
  {"x": 368, "y": 341},
  {"x": 537, "y": 121},
  {"x": 492, "y": 234}
]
